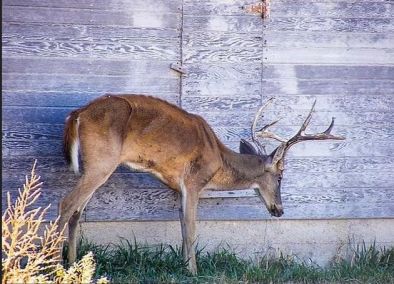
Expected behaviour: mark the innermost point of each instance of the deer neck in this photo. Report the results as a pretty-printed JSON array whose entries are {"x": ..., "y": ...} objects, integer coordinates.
[{"x": 238, "y": 171}]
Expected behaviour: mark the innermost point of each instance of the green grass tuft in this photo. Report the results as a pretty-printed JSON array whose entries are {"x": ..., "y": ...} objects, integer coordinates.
[{"x": 130, "y": 262}]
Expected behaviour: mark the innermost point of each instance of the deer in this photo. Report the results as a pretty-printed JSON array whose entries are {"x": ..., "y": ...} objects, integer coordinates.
[{"x": 179, "y": 148}]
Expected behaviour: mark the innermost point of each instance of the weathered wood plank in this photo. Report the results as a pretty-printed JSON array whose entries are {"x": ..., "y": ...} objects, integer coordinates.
[
  {"x": 164, "y": 206},
  {"x": 201, "y": 89},
  {"x": 222, "y": 8},
  {"x": 158, "y": 204},
  {"x": 218, "y": 213},
  {"x": 223, "y": 71},
  {"x": 151, "y": 200},
  {"x": 89, "y": 83},
  {"x": 205, "y": 102},
  {"x": 224, "y": 54},
  {"x": 25, "y": 132},
  {"x": 290, "y": 86},
  {"x": 364, "y": 132},
  {"x": 53, "y": 163},
  {"x": 331, "y": 56},
  {"x": 303, "y": 71},
  {"x": 332, "y": 9},
  {"x": 80, "y": 49},
  {"x": 289, "y": 103},
  {"x": 167, "y": 6},
  {"x": 327, "y": 87},
  {"x": 124, "y": 17},
  {"x": 308, "y": 39},
  {"x": 292, "y": 183},
  {"x": 96, "y": 33},
  {"x": 333, "y": 149},
  {"x": 32, "y": 45},
  {"x": 223, "y": 117},
  {"x": 31, "y": 131},
  {"x": 235, "y": 24},
  {"x": 291, "y": 8},
  {"x": 351, "y": 148},
  {"x": 62, "y": 99},
  {"x": 296, "y": 104},
  {"x": 221, "y": 47},
  {"x": 335, "y": 102},
  {"x": 351, "y": 25},
  {"x": 88, "y": 66},
  {"x": 64, "y": 178}
]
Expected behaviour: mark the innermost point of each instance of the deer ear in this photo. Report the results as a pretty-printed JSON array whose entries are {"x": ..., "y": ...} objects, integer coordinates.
[{"x": 246, "y": 148}]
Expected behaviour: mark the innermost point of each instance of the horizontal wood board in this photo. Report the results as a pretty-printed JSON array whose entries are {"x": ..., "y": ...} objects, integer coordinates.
[{"x": 58, "y": 55}]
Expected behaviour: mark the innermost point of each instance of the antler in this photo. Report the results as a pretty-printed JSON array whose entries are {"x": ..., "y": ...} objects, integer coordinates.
[
  {"x": 299, "y": 137},
  {"x": 263, "y": 133},
  {"x": 260, "y": 147}
]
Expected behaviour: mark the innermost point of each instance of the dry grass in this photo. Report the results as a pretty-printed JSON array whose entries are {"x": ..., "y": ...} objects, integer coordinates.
[{"x": 31, "y": 257}]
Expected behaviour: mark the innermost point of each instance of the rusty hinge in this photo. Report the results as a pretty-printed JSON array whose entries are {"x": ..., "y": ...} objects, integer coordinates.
[
  {"x": 262, "y": 8},
  {"x": 178, "y": 68}
]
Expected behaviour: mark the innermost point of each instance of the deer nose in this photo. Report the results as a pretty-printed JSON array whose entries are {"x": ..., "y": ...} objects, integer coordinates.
[{"x": 276, "y": 210}]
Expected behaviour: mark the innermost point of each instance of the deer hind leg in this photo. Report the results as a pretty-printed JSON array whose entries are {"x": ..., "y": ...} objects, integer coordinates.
[
  {"x": 100, "y": 161},
  {"x": 188, "y": 214},
  {"x": 73, "y": 204}
]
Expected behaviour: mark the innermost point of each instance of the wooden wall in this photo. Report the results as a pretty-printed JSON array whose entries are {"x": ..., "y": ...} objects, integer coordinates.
[{"x": 58, "y": 55}]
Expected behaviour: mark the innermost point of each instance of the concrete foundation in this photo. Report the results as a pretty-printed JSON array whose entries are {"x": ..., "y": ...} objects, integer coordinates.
[{"x": 318, "y": 241}]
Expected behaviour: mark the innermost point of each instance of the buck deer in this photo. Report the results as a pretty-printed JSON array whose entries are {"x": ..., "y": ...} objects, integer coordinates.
[{"x": 177, "y": 147}]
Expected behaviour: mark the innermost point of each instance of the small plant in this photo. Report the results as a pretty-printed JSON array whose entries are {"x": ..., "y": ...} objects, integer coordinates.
[{"x": 27, "y": 256}]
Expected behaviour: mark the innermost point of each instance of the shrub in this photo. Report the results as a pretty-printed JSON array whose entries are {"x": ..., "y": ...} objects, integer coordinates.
[{"x": 31, "y": 257}]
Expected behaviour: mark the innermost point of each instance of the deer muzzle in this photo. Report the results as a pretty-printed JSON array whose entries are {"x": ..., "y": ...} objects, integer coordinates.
[{"x": 276, "y": 210}]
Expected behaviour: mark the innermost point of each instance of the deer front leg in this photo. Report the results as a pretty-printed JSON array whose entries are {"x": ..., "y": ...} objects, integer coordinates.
[{"x": 188, "y": 213}]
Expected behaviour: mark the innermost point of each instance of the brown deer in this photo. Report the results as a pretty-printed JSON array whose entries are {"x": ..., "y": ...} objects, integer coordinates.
[{"x": 177, "y": 147}]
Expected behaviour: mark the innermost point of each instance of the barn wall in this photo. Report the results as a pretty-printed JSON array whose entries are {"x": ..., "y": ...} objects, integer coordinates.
[{"x": 59, "y": 55}]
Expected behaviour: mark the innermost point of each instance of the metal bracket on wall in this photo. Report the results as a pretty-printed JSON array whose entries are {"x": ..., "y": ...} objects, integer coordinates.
[
  {"x": 178, "y": 68},
  {"x": 262, "y": 8}
]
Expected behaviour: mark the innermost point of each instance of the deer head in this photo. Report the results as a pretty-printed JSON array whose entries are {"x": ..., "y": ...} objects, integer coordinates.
[{"x": 269, "y": 183}]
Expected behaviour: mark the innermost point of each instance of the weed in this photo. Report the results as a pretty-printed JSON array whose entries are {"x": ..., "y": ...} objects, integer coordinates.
[{"x": 130, "y": 262}]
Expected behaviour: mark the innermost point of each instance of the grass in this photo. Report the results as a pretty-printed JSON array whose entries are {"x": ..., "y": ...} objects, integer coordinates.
[{"x": 130, "y": 262}]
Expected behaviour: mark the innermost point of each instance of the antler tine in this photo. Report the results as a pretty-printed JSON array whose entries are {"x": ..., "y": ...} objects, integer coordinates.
[
  {"x": 263, "y": 133},
  {"x": 328, "y": 130},
  {"x": 254, "y": 124},
  {"x": 301, "y": 136},
  {"x": 307, "y": 119}
]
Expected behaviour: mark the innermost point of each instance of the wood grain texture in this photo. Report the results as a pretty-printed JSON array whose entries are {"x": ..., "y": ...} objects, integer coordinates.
[
  {"x": 121, "y": 204},
  {"x": 153, "y": 18},
  {"x": 328, "y": 55},
  {"x": 63, "y": 99},
  {"x": 216, "y": 72},
  {"x": 292, "y": 105},
  {"x": 293, "y": 184},
  {"x": 236, "y": 24},
  {"x": 320, "y": 24},
  {"x": 90, "y": 83},
  {"x": 125, "y": 198},
  {"x": 87, "y": 66},
  {"x": 333, "y": 9},
  {"x": 219, "y": 116},
  {"x": 95, "y": 43},
  {"x": 296, "y": 165},
  {"x": 350, "y": 148},
  {"x": 309, "y": 39},
  {"x": 58, "y": 55},
  {"x": 168, "y": 6},
  {"x": 303, "y": 71},
  {"x": 327, "y": 87},
  {"x": 211, "y": 7}
]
